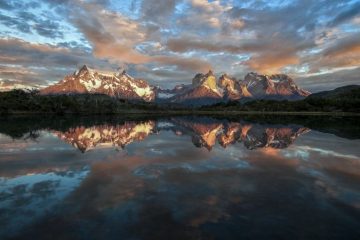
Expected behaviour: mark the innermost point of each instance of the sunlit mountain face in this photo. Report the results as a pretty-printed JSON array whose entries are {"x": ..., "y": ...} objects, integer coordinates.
[
  {"x": 179, "y": 177},
  {"x": 166, "y": 43},
  {"x": 205, "y": 89}
]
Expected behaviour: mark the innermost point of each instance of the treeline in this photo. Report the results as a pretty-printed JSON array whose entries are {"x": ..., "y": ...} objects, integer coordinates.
[
  {"x": 20, "y": 101},
  {"x": 343, "y": 102}
]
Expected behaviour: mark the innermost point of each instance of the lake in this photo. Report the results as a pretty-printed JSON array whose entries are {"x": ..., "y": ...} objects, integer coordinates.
[{"x": 184, "y": 177}]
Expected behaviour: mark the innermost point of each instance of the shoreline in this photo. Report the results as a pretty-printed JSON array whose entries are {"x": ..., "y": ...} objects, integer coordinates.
[{"x": 186, "y": 112}]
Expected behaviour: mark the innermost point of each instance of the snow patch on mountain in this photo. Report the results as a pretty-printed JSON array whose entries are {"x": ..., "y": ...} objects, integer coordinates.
[{"x": 87, "y": 80}]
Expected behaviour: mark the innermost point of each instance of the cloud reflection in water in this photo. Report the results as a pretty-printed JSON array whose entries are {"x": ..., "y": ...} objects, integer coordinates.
[{"x": 258, "y": 181}]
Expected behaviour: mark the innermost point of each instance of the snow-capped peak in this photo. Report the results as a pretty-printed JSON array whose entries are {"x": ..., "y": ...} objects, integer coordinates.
[{"x": 88, "y": 80}]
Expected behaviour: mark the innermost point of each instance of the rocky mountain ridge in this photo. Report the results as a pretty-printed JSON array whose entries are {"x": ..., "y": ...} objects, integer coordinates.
[
  {"x": 205, "y": 89},
  {"x": 87, "y": 80}
]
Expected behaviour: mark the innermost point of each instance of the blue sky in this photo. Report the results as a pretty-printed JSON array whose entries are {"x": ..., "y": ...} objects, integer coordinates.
[{"x": 317, "y": 42}]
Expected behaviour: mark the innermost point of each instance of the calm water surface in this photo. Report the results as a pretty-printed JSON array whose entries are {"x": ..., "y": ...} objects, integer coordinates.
[{"x": 180, "y": 178}]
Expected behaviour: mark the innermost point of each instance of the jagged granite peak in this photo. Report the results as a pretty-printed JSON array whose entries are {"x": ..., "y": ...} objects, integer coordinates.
[
  {"x": 203, "y": 91},
  {"x": 207, "y": 80},
  {"x": 276, "y": 85},
  {"x": 232, "y": 88},
  {"x": 84, "y": 68},
  {"x": 225, "y": 81},
  {"x": 88, "y": 80},
  {"x": 206, "y": 90}
]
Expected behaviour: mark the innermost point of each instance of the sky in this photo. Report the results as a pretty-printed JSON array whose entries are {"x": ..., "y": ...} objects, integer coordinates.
[{"x": 166, "y": 42}]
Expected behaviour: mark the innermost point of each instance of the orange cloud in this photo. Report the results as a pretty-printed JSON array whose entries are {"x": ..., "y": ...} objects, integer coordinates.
[
  {"x": 270, "y": 63},
  {"x": 114, "y": 37}
]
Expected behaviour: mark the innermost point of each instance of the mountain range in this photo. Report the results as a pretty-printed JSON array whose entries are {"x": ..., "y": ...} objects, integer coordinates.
[{"x": 205, "y": 89}]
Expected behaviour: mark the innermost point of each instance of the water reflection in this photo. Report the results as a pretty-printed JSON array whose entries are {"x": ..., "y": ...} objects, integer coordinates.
[
  {"x": 179, "y": 178},
  {"x": 99, "y": 136},
  {"x": 204, "y": 132}
]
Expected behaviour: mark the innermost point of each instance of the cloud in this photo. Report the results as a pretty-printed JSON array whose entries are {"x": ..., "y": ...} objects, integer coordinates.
[
  {"x": 265, "y": 56},
  {"x": 347, "y": 14},
  {"x": 330, "y": 80},
  {"x": 6, "y": 5},
  {"x": 271, "y": 62},
  {"x": 18, "y": 65},
  {"x": 48, "y": 29},
  {"x": 202, "y": 16},
  {"x": 15, "y": 23},
  {"x": 344, "y": 52},
  {"x": 192, "y": 64},
  {"x": 115, "y": 37},
  {"x": 155, "y": 10},
  {"x": 28, "y": 22},
  {"x": 187, "y": 44},
  {"x": 183, "y": 36},
  {"x": 16, "y": 51},
  {"x": 13, "y": 4},
  {"x": 105, "y": 45},
  {"x": 347, "y": 45}
]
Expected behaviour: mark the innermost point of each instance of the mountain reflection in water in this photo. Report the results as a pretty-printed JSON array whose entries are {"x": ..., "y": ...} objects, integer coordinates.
[
  {"x": 205, "y": 132},
  {"x": 179, "y": 178}
]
